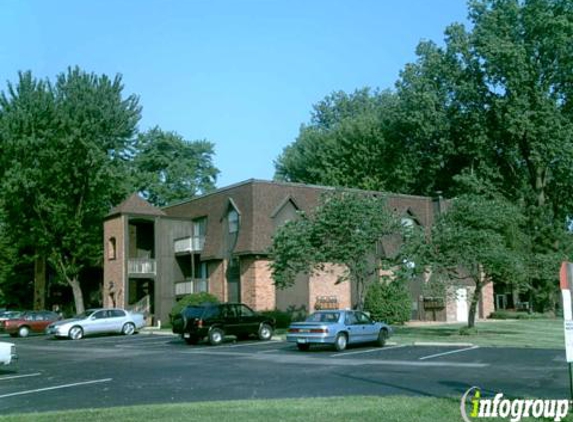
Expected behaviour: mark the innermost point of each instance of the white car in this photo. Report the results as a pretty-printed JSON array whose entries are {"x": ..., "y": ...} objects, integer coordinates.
[
  {"x": 98, "y": 321},
  {"x": 7, "y": 353}
]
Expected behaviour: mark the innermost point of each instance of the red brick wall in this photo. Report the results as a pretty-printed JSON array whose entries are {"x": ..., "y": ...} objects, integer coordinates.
[
  {"x": 257, "y": 288},
  {"x": 114, "y": 269},
  {"x": 216, "y": 270},
  {"x": 487, "y": 304},
  {"x": 324, "y": 284}
]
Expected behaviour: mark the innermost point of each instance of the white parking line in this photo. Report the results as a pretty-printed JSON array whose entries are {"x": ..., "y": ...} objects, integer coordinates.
[
  {"x": 20, "y": 376},
  {"x": 449, "y": 353},
  {"x": 56, "y": 387},
  {"x": 213, "y": 349},
  {"x": 336, "y": 355},
  {"x": 259, "y": 343}
]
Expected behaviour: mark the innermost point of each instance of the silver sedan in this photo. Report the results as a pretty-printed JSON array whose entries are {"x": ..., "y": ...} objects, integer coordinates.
[
  {"x": 338, "y": 328},
  {"x": 98, "y": 321}
]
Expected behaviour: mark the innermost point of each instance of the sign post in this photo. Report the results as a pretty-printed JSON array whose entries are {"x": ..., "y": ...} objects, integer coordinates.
[{"x": 566, "y": 284}]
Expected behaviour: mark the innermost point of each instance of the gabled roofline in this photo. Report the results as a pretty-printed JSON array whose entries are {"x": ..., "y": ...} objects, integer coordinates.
[{"x": 292, "y": 184}]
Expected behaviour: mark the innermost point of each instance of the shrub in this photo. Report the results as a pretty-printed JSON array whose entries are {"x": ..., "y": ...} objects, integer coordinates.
[
  {"x": 282, "y": 318},
  {"x": 467, "y": 331},
  {"x": 193, "y": 299},
  {"x": 389, "y": 302},
  {"x": 509, "y": 314}
]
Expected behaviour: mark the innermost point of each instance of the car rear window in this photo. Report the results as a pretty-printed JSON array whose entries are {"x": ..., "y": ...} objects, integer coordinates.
[
  {"x": 324, "y": 317},
  {"x": 194, "y": 311}
]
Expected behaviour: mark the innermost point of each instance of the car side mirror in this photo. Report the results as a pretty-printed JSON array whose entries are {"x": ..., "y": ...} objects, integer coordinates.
[{"x": 92, "y": 318}]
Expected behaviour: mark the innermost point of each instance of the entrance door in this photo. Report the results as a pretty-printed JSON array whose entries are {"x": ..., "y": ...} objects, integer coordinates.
[{"x": 462, "y": 304}]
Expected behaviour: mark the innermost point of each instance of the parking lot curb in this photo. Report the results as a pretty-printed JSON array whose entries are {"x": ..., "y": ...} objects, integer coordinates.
[
  {"x": 156, "y": 332},
  {"x": 438, "y": 343}
]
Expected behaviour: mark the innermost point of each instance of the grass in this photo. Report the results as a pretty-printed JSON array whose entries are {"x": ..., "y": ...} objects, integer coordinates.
[
  {"x": 538, "y": 333},
  {"x": 335, "y": 409}
]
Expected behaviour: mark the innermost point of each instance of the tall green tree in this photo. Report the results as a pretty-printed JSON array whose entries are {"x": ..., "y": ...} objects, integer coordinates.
[
  {"x": 168, "y": 168},
  {"x": 479, "y": 238},
  {"x": 64, "y": 151},
  {"x": 348, "y": 143},
  {"x": 346, "y": 230}
]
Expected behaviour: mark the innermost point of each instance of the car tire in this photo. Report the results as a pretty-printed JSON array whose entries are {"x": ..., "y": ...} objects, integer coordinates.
[
  {"x": 216, "y": 336},
  {"x": 76, "y": 333},
  {"x": 340, "y": 342},
  {"x": 303, "y": 347},
  {"x": 191, "y": 341},
  {"x": 23, "y": 331},
  {"x": 265, "y": 332},
  {"x": 128, "y": 329},
  {"x": 382, "y": 337}
]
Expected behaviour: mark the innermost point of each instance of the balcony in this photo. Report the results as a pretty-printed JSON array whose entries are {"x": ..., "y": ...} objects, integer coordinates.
[
  {"x": 189, "y": 244},
  {"x": 191, "y": 285},
  {"x": 141, "y": 266}
]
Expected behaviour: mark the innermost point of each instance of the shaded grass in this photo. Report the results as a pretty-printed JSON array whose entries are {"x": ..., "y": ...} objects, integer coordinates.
[
  {"x": 539, "y": 333},
  {"x": 336, "y": 409}
]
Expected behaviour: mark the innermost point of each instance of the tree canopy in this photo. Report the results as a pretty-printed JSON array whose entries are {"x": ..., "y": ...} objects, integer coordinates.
[
  {"x": 345, "y": 229},
  {"x": 71, "y": 151},
  {"x": 62, "y": 165},
  {"x": 167, "y": 168},
  {"x": 488, "y": 111},
  {"x": 479, "y": 238}
]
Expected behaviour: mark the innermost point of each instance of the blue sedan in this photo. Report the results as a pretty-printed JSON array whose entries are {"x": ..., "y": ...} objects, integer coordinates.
[{"x": 338, "y": 328}]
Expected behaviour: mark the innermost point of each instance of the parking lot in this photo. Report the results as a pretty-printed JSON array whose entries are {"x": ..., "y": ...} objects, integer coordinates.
[{"x": 148, "y": 368}]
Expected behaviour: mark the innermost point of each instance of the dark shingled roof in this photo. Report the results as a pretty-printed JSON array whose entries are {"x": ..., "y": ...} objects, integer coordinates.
[{"x": 136, "y": 205}]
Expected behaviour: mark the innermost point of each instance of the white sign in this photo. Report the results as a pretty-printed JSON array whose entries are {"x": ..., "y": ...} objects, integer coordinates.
[{"x": 568, "y": 325}]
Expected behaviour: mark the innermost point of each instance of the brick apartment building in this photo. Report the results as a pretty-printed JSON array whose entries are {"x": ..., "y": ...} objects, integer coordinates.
[{"x": 218, "y": 243}]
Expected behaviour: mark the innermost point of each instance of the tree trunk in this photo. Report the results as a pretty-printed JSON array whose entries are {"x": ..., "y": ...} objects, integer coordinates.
[
  {"x": 473, "y": 304},
  {"x": 78, "y": 294}
]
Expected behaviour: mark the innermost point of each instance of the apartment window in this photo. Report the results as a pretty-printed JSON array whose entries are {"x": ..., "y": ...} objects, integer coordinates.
[
  {"x": 233, "y": 219},
  {"x": 111, "y": 248}
]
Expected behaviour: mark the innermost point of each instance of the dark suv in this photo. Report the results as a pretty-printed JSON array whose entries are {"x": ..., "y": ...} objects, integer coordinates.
[{"x": 215, "y": 321}]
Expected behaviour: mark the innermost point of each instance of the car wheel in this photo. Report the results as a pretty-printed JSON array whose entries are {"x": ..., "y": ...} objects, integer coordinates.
[
  {"x": 340, "y": 342},
  {"x": 23, "y": 331},
  {"x": 216, "y": 336},
  {"x": 265, "y": 332},
  {"x": 128, "y": 329},
  {"x": 191, "y": 340},
  {"x": 303, "y": 347},
  {"x": 382, "y": 337},
  {"x": 76, "y": 332}
]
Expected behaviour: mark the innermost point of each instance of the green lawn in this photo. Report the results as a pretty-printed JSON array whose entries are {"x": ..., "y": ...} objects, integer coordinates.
[
  {"x": 541, "y": 333},
  {"x": 343, "y": 409}
]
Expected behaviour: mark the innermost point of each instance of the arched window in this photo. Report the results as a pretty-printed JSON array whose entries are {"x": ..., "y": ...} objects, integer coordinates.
[
  {"x": 233, "y": 218},
  {"x": 111, "y": 248}
]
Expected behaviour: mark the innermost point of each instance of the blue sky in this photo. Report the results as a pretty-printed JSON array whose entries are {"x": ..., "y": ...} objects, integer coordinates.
[{"x": 243, "y": 74}]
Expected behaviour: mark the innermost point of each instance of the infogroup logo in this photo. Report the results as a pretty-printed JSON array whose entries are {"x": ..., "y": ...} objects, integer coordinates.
[{"x": 473, "y": 407}]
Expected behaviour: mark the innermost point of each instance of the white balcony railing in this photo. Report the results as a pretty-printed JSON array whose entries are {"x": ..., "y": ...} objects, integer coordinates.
[
  {"x": 141, "y": 266},
  {"x": 189, "y": 286},
  {"x": 189, "y": 244}
]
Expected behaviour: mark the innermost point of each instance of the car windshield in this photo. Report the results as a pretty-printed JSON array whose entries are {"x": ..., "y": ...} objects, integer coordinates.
[
  {"x": 85, "y": 314},
  {"x": 324, "y": 317},
  {"x": 10, "y": 314}
]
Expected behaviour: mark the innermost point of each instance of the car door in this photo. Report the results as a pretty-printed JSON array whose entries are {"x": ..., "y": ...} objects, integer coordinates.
[
  {"x": 96, "y": 322},
  {"x": 369, "y": 328},
  {"x": 36, "y": 322},
  {"x": 117, "y": 318},
  {"x": 352, "y": 327},
  {"x": 249, "y": 320},
  {"x": 231, "y": 319}
]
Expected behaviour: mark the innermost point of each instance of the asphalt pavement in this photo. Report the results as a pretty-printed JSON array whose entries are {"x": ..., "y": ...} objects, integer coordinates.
[{"x": 145, "y": 369}]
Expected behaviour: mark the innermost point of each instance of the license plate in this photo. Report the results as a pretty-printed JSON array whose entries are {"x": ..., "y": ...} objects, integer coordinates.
[
  {"x": 301, "y": 341},
  {"x": 187, "y": 335}
]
